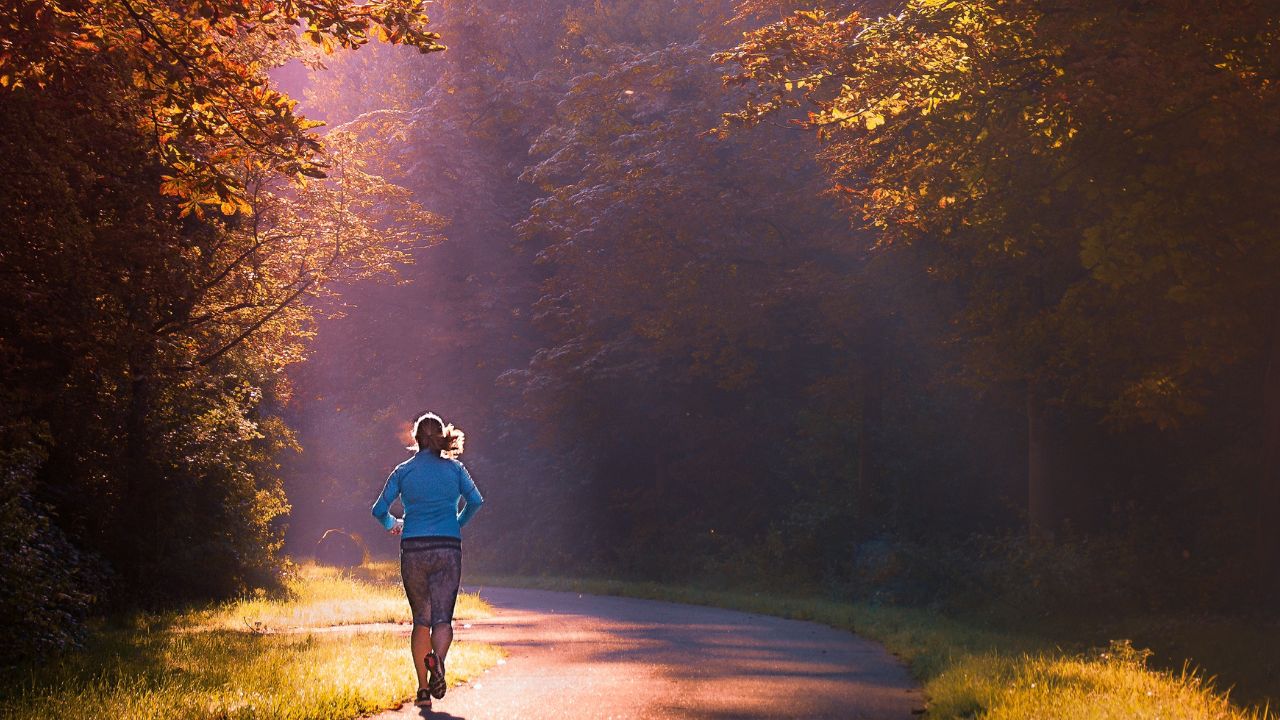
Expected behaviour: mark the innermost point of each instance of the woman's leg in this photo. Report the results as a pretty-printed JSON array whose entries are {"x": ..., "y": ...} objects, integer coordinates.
[
  {"x": 420, "y": 644},
  {"x": 415, "y": 571},
  {"x": 444, "y": 583},
  {"x": 441, "y": 638}
]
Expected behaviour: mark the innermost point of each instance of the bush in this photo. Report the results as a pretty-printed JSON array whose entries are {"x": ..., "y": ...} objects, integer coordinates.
[
  {"x": 1013, "y": 576},
  {"x": 45, "y": 602}
]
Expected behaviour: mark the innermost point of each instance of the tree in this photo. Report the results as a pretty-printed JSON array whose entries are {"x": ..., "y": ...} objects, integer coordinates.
[
  {"x": 143, "y": 336},
  {"x": 677, "y": 307},
  {"x": 196, "y": 73},
  {"x": 1012, "y": 142}
]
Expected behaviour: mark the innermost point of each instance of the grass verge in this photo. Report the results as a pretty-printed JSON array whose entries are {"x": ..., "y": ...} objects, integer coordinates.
[
  {"x": 971, "y": 671},
  {"x": 208, "y": 664},
  {"x": 321, "y": 596}
]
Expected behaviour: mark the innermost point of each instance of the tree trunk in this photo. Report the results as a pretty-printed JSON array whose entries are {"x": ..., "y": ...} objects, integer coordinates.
[
  {"x": 1039, "y": 497},
  {"x": 868, "y": 490},
  {"x": 136, "y": 523},
  {"x": 1267, "y": 505}
]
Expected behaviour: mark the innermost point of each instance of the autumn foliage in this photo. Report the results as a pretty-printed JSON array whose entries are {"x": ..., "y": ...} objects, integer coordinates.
[
  {"x": 195, "y": 73},
  {"x": 143, "y": 335},
  {"x": 1087, "y": 175}
]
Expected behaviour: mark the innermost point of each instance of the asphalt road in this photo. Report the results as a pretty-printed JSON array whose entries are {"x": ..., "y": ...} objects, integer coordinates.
[{"x": 586, "y": 657}]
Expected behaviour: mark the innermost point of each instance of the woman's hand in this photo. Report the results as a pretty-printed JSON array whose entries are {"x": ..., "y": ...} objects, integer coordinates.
[{"x": 398, "y": 527}]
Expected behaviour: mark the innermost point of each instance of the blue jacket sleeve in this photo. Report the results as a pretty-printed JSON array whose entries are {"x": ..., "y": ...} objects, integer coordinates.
[
  {"x": 382, "y": 508},
  {"x": 470, "y": 495}
]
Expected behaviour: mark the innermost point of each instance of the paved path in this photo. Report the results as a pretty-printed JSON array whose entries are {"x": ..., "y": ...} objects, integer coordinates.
[{"x": 586, "y": 657}]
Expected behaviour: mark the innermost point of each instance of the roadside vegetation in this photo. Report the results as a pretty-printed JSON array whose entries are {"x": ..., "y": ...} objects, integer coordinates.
[
  {"x": 321, "y": 597},
  {"x": 971, "y": 668},
  {"x": 258, "y": 657}
]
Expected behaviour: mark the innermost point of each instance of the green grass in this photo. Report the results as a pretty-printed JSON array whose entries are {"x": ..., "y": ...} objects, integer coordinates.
[
  {"x": 207, "y": 664},
  {"x": 972, "y": 670}
]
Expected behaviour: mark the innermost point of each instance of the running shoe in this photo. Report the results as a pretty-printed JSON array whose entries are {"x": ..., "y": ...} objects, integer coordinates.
[
  {"x": 424, "y": 698},
  {"x": 436, "y": 683}
]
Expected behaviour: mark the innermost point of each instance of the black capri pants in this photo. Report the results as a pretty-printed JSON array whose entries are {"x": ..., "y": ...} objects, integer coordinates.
[{"x": 431, "y": 569}]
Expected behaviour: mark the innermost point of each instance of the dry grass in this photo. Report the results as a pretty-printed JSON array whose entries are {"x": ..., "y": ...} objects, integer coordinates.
[
  {"x": 322, "y": 596},
  {"x": 1094, "y": 686},
  {"x": 222, "y": 674},
  {"x": 155, "y": 667}
]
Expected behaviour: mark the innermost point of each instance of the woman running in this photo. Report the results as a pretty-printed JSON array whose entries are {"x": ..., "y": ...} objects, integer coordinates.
[{"x": 430, "y": 484}]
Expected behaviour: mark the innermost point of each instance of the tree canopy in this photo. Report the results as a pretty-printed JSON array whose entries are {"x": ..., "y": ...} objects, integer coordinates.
[
  {"x": 142, "y": 337},
  {"x": 921, "y": 300}
]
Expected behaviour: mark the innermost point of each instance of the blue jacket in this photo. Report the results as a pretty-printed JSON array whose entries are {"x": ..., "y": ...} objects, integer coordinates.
[{"x": 430, "y": 487}]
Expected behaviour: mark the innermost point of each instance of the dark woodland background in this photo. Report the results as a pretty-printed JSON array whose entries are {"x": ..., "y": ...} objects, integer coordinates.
[{"x": 968, "y": 305}]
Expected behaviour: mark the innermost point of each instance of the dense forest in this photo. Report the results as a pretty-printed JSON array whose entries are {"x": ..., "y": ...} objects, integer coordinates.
[{"x": 969, "y": 303}]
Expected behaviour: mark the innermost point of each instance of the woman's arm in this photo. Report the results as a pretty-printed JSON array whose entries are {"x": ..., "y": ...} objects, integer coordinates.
[
  {"x": 471, "y": 497},
  {"x": 382, "y": 508}
]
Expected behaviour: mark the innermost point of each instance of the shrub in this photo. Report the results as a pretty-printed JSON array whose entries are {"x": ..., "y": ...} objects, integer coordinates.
[{"x": 45, "y": 601}]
